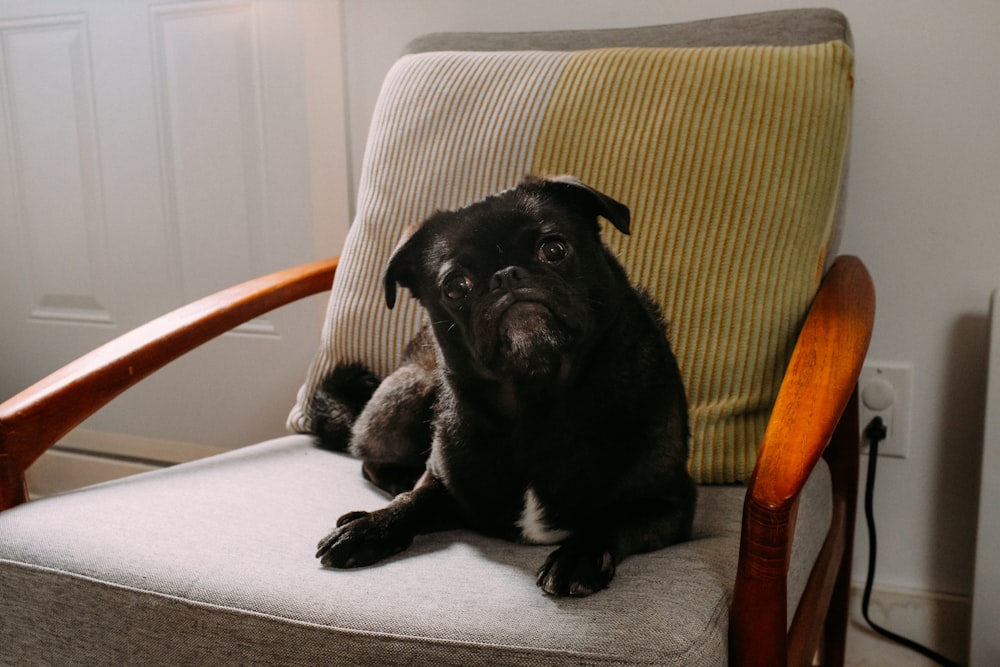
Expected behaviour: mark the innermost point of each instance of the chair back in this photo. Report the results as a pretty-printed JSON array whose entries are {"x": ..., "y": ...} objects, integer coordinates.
[{"x": 726, "y": 140}]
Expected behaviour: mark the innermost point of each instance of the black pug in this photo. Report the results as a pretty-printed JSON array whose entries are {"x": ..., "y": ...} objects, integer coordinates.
[{"x": 542, "y": 403}]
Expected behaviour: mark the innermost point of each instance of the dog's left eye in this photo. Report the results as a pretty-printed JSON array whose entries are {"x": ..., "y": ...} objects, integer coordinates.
[
  {"x": 457, "y": 286},
  {"x": 553, "y": 250}
]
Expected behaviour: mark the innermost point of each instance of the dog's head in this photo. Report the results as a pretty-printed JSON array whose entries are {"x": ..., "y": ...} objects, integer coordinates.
[{"x": 517, "y": 284}]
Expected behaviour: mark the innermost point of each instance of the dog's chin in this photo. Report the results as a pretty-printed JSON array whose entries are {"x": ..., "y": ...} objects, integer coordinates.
[{"x": 530, "y": 342}]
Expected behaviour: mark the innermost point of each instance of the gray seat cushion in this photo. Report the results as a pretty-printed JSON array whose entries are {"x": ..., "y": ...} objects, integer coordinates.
[{"x": 213, "y": 561}]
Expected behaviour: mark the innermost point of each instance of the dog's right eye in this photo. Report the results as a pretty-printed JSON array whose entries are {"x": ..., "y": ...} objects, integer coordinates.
[
  {"x": 457, "y": 286},
  {"x": 553, "y": 250}
]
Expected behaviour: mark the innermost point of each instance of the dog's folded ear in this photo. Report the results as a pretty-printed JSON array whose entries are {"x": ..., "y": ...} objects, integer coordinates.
[
  {"x": 402, "y": 263},
  {"x": 390, "y": 287},
  {"x": 582, "y": 194}
]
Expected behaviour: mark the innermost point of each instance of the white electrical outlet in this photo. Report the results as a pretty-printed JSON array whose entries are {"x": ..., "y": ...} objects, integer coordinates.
[{"x": 885, "y": 388}]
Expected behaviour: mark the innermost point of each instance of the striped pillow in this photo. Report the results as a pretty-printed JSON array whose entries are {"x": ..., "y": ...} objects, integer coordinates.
[{"x": 730, "y": 159}]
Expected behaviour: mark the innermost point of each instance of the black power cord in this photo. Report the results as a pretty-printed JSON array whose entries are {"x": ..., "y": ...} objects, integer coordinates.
[{"x": 875, "y": 433}]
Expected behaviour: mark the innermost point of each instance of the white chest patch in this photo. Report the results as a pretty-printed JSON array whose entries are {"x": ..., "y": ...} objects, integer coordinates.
[{"x": 532, "y": 522}]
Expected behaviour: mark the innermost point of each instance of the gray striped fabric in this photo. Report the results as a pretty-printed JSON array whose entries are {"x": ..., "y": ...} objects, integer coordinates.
[{"x": 491, "y": 106}]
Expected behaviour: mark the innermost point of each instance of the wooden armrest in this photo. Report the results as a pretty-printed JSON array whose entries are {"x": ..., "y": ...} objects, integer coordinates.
[
  {"x": 820, "y": 378},
  {"x": 819, "y": 383},
  {"x": 35, "y": 419}
]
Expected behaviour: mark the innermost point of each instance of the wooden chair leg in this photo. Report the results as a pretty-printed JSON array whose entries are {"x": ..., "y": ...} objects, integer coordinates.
[
  {"x": 835, "y": 630},
  {"x": 844, "y": 453},
  {"x": 13, "y": 489}
]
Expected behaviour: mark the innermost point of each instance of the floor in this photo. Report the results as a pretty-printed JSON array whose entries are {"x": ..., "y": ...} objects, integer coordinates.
[{"x": 938, "y": 621}]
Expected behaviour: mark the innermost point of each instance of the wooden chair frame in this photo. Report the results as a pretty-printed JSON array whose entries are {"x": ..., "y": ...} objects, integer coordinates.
[{"x": 815, "y": 415}]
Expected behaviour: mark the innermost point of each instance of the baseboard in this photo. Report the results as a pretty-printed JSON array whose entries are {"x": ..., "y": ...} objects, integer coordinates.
[
  {"x": 86, "y": 457},
  {"x": 134, "y": 447},
  {"x": 938, "y": 621},
  {"x": 58, "y": 471}
]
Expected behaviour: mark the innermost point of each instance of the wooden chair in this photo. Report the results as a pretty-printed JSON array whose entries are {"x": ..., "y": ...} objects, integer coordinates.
[{"x": 211, "y": 560}]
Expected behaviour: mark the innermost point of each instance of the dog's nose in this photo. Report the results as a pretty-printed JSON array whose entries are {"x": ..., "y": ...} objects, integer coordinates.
[{"x": 507, "y": 279}]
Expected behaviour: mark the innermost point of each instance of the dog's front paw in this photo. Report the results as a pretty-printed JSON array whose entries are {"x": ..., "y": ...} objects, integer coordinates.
[
  {"x": 361, "y": 538},
  {"x": 576, "y": 569}
]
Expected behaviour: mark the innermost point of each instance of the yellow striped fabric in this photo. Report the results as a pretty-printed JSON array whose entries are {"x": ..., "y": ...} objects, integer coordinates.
[{"x": 730, "y": 159}]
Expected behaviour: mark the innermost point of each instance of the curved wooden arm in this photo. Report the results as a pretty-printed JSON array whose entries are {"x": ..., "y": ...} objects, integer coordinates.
[
  {"x": 35, "y": 419},
  {"x": 821, "y": 375},
  {"x": 819, "y": 383}
]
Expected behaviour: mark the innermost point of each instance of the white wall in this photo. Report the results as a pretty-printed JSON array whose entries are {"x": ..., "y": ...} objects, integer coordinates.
[{"x": 924, "y": 193}]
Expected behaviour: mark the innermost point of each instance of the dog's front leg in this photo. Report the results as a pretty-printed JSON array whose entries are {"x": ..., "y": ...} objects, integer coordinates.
[
  {"x": 363, "y": 538},
  {"x": 585, "y": 563},
  {"x": 581, "y": 566}
]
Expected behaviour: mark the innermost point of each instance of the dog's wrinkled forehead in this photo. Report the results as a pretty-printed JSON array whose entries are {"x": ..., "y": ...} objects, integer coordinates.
[
  {"x": 501, "y": 228},
  {"x": 499, "y": 224}
]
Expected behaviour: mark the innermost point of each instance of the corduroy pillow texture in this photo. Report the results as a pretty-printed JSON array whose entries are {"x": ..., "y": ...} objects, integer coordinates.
[{"x": 730, "y": 159}]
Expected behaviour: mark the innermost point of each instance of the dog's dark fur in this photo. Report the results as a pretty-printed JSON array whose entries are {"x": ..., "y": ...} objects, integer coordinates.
[{"x": 541, "y": 404}]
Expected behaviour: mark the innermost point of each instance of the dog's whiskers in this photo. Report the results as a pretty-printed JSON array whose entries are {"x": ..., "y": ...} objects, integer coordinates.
[{"x": 451, "y": 326}]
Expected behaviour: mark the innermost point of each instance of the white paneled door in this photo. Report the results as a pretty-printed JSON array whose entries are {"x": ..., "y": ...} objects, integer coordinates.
[{"x": 152, "y": 153}]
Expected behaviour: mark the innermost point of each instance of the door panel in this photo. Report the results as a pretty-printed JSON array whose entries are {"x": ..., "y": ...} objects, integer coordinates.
[
  {"x": 56, "y": 243},
  {"x": 208, "y": 91}
]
